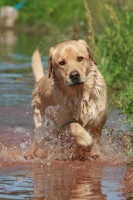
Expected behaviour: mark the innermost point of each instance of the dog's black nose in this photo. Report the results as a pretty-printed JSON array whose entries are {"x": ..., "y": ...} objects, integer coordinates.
[{"x": 74, "y": 75}]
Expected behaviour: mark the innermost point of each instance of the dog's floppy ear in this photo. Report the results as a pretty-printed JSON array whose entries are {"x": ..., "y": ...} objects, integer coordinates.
[
  {"x": 51, "y": 70},
  {"x": 92, "y": 61}
]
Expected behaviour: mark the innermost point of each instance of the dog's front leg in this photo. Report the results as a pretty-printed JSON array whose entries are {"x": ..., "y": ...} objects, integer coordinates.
[
  {"x": 37, "y": 118},
  {"x": 83, "y": 138}
]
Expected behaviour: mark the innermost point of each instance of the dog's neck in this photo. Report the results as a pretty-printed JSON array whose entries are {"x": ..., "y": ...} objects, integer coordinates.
[{"x": 72, "y": 93}]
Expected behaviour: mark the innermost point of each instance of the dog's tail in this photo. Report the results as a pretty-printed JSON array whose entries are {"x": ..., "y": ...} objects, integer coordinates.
[{"x": 37, "y": 65}]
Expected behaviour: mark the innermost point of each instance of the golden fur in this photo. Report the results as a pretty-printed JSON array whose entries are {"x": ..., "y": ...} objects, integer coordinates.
[{"x": 75, "y": 84}]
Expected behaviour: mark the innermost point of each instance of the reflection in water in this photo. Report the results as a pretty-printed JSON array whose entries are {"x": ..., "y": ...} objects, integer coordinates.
[
  {"x": 67, "y": 181},
  {"x": 61, "y": 181},
  {"x": 110, "y": 186},
  {"x": 8, "y": 41},
  {"x": 8, "y": 37},
  {"x": 82, "y": 190},
  {"x": 16, "y": 186}
]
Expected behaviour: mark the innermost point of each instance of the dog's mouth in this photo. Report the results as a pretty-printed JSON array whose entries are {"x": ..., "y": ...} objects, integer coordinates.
[{"x": 75, "y": 83}]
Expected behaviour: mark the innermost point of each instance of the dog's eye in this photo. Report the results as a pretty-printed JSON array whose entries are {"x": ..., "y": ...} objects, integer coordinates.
[
  {"x": 62, "y": 63},
  {"x": 80, "y": 58}
]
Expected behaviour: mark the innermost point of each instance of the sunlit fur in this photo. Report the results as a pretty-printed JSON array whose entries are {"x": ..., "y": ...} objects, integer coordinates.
[{"x": 84, "y": 103}]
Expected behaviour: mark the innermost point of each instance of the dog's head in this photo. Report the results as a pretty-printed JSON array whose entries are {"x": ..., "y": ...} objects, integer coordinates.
[{"x": 70, "y": 61}]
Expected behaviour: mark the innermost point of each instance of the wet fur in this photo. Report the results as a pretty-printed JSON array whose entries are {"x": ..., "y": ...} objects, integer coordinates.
[{"x": 85, "y": 104}]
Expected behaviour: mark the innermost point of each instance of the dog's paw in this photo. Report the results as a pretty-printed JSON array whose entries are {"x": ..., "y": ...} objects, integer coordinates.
[{"x": 84, "y": 140}]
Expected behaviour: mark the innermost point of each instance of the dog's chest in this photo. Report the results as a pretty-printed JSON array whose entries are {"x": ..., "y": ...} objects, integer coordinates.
[
  {"x": 88, "y": 112},
  {"x": 82, "y": 110},
  {"x": 83, "y": 107}
]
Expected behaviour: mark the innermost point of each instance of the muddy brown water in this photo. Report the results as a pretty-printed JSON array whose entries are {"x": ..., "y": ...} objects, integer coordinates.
[{"x": 25, "y": 174}]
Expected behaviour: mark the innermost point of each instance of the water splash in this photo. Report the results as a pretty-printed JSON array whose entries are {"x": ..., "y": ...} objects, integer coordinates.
[{"x": 47, "y": 145}]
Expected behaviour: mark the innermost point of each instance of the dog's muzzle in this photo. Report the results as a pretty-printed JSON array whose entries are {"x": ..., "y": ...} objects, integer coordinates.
[{"x": 74, "y": 76}]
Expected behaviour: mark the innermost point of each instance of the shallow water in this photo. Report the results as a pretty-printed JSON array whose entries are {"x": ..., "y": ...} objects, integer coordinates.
[
  {"x": 62, "y": 180},
  {"x": 50, "y": 171}
]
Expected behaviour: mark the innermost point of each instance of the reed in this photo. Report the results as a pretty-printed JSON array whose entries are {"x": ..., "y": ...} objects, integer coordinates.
[{"x": 91, "y": 35}]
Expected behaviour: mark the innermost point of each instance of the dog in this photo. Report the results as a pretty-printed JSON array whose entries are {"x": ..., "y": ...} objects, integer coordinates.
[{"x": 75, "y": 84}]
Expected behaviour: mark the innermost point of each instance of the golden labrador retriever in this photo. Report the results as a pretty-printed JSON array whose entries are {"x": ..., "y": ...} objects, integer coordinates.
[{"x": 75, "y": 84}]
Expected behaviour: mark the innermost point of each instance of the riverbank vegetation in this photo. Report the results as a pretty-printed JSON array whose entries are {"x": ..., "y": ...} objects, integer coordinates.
[{"x": 106, "y": 25}]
